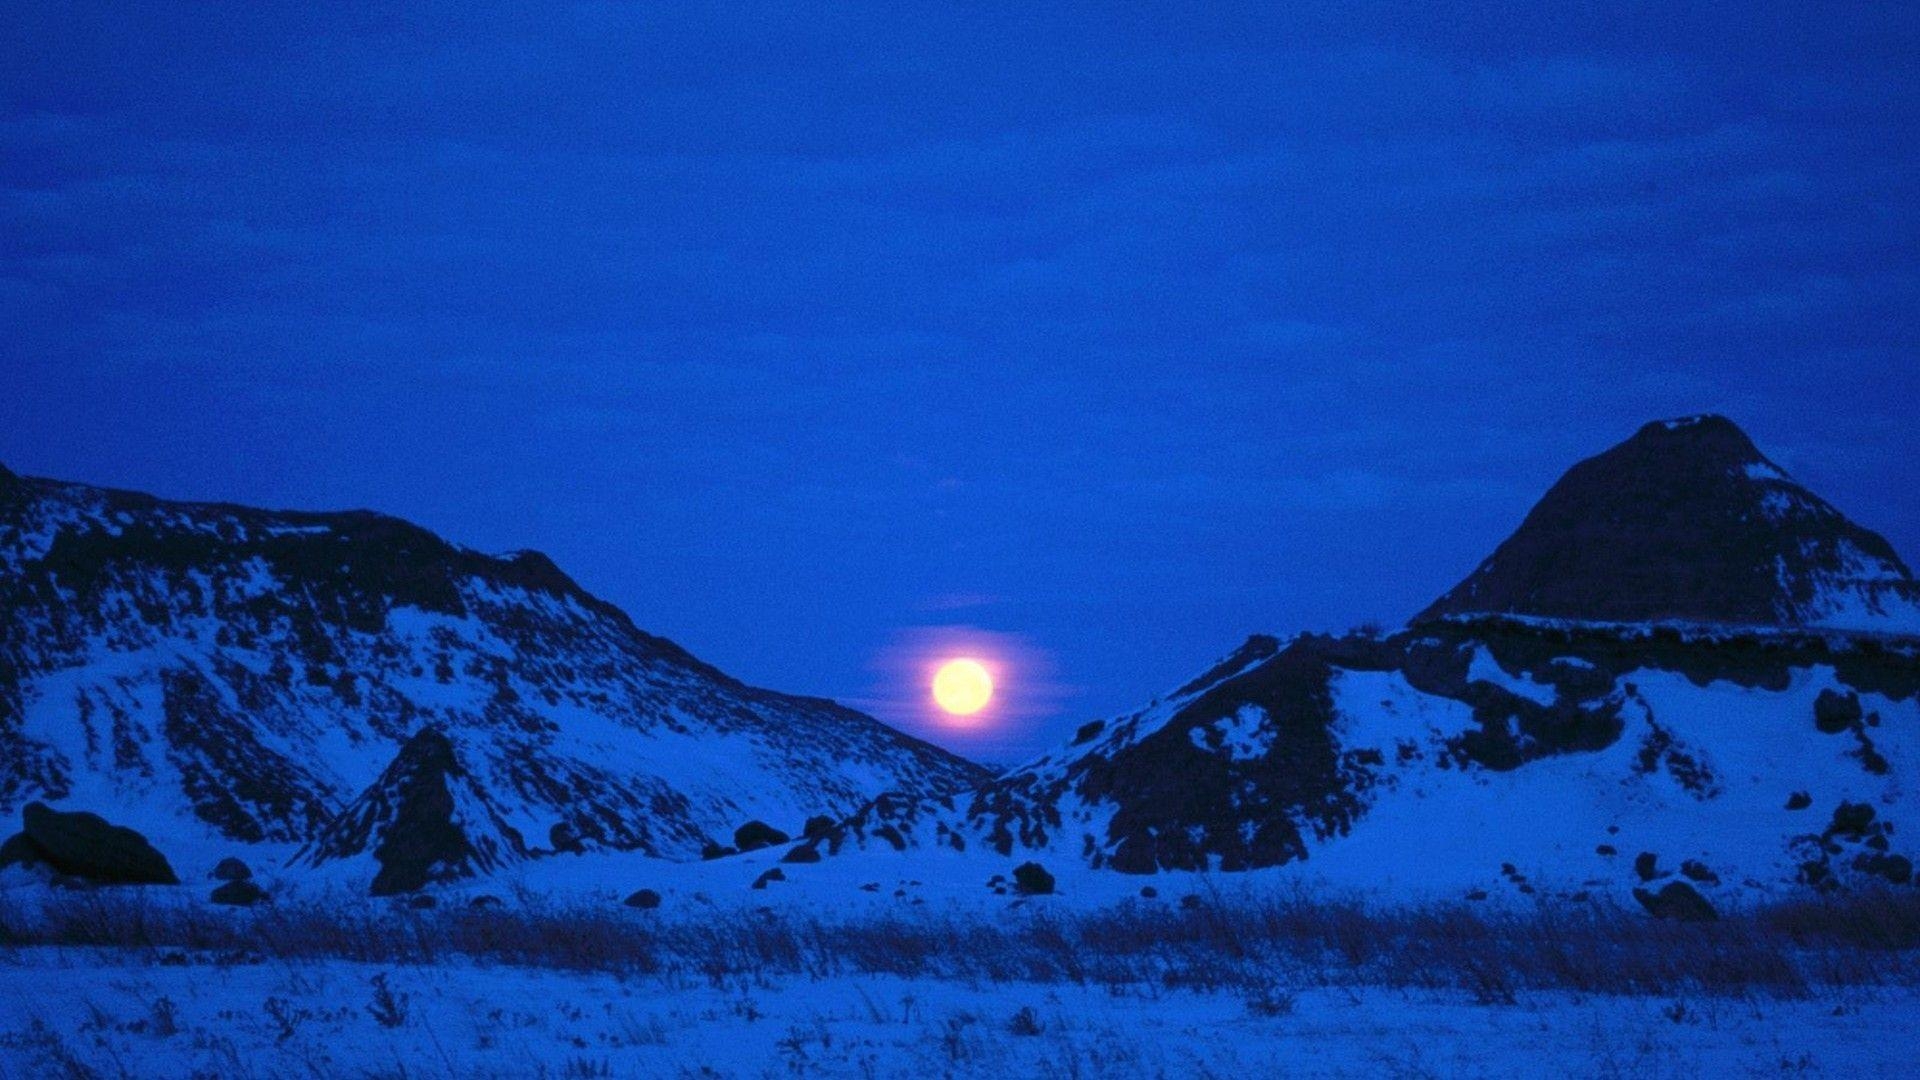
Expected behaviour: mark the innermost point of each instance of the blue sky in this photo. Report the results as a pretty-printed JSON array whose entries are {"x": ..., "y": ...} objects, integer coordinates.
[{"x": 1112, "y": 333}]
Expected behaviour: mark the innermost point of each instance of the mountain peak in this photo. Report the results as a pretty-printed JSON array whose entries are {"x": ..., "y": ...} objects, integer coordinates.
[
  {"x": 1707, "y": 434},
  {"x": 1687, "y": 521}
]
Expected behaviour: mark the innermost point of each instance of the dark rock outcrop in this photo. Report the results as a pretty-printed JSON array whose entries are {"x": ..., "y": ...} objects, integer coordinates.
[
  {"x": 232, "y": 869},
  {"x": 84, "y": 845},
  {"x": 243, "y": 892},
  {"x": 1032, "y": 879},
  {"x": 423, "y": 821},
  {"x": 755, "y": 835},
  {"x": 644, "y": 899},
  {"x": 1678, "y": 901}
]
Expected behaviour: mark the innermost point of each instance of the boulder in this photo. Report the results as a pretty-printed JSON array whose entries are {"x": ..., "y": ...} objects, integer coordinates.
[
  {"x": 1678, "y": 901},
  {"x": 1799, "y": 800},
  {"x": 775, "y": 874},
  {"x": 1699, "y": 871},
  {"x": 241, "y": 893},
  {"x": 1834, "y": 713},
  {"x": 758, "y": 834},
  {"x": 484, "y": 900},
  {"x": 1032, "y": 879},
  {"x": 231, "y": 869},
  {"x": 19, "y": 851},
  {"x": 564, "y": 841},
  {"x": 805, "y": 853},
  {"x": 1647, "y": 865},
  {"x": 816, "y": 827},
  {"x": 84, "y": 845},
  {"x": 644, "y": 899}
]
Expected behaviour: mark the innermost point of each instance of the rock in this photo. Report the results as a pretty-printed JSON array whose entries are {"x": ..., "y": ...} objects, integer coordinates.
[
  {"x": 1646, "y": 864},
  {"x": 805, "y": 853},
  {"x": 1190, "y": 902},
  {"x": 422, "y": 902},
  {"x": 425, "y": 819},
  {"x": 20, "y": 851},
  {"x": 1148, "y": 892},
  {"x": 1698, "y": 871},
  {"x": 485, "y": 900},
  {"x": 816, "y": 827},
  {"x": 711, "y": 851},
  {"x": 86, "y": 846},
  {"x": 775, "y": 874},
  {"x": 1851, "y": 819},
  {"x": 644, "y": 899},
  {"x": 563, "y": 840},
  {"x": 241, "y": 893},
  {"x": 1679, "y": 901},
  {"x": 1605, "y": 849},
  {"x": 1834, "y": 713},
  {"x": 231, "y": 869},
  {"x": 1032, "y": 879},
  {"x": 758, "y": 834},
  {"x": 1799, "y": 800}
]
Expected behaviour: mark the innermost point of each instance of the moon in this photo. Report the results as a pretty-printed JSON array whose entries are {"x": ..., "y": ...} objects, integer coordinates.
[{"x": 962, "y": 686}]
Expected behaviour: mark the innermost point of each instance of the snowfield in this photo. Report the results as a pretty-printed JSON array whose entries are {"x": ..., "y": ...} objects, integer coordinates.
[
  {"x": 70, "y": 1012},
  {"x": 1222, "y": 981}
]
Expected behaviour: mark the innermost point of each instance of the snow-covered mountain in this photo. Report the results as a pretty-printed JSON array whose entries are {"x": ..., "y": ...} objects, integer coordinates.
[
  {"x": 216, "y": 675},
  {"x": 1595, "y": 739}
]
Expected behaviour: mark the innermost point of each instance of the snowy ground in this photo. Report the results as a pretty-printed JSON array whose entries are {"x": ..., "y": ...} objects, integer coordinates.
[{"x": 71, "y": 1012}]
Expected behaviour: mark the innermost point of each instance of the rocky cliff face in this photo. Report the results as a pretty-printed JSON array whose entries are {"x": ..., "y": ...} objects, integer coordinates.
[{"x": 243, "y": 676}]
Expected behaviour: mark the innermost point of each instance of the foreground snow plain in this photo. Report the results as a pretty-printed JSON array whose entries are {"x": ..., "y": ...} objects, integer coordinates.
[{"x": 79, "y": 1012}]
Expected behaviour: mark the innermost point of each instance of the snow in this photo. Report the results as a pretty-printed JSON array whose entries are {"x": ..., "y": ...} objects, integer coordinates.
[
  {"x": 75, "y": 1012},
  {"x": 1764, "y": 471},
  {"x": 1484, "y": 668},
  {"x": 1245, "y": 735}
]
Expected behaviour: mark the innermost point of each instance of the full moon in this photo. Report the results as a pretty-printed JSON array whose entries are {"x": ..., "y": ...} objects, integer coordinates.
[{"x": 962, "y": 686}]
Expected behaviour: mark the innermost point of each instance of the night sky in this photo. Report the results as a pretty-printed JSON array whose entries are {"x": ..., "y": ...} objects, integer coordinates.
[{"x": 1093, "y": 338}]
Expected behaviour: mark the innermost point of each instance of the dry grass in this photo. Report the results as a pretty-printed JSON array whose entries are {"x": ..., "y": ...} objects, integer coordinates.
[{"x": 1214, "y": 943}]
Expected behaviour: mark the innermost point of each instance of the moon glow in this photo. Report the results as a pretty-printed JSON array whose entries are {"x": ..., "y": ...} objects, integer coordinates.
[{"x": 962, "y": 686}]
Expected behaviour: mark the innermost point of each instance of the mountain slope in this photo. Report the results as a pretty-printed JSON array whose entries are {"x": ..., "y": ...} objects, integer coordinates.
[
  {"x": 220, "y": 674},
  {"x": 1440, "y": 757},
  {"x": 1688, "y": 522},
  {"x": 1605, "y": 734}
]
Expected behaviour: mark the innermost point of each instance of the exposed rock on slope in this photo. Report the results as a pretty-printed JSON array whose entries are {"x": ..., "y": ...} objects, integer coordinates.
[
  {"x": 424, "y": 820},
  {"x": 83, "y": 845},
  {"x": 219, "y": 673},
  {"x": 1688, "y": 522}
]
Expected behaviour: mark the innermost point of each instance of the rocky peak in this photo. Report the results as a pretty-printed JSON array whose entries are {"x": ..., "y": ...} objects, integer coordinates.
[
  {"x": 423, "y": 820},
  {"x": 1687, "y": 521}
]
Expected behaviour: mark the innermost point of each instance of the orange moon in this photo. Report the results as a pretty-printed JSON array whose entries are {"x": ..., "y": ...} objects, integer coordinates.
[{"x": 962, "y": 686}]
